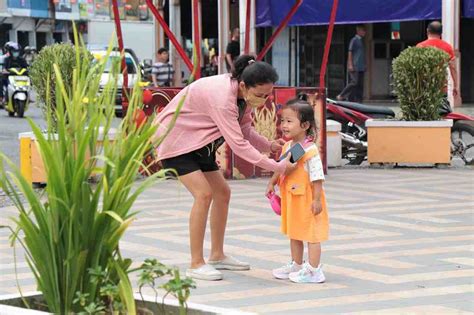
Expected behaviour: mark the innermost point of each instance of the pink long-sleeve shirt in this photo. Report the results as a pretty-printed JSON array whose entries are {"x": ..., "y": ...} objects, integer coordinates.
[{"x": 209, "y": 112}]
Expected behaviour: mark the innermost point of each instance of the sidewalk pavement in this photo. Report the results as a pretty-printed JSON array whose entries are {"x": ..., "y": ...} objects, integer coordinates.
[{"x": 401, "y": 242}]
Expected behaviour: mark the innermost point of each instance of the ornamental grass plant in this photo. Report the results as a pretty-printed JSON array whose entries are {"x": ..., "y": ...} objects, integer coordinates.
[{"x": 71, "y": 232}]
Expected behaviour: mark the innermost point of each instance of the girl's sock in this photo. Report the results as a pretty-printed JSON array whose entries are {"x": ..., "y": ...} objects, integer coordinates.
[{"x": 314, "y": 268}]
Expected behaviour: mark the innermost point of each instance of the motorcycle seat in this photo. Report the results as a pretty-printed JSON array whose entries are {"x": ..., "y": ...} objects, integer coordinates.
[{"x": 366, "y": 109}]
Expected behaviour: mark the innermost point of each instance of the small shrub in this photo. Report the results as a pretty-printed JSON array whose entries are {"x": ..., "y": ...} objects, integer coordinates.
[
  {"x": 43, "y": 76},
  {"x": 419, "y": 76}
]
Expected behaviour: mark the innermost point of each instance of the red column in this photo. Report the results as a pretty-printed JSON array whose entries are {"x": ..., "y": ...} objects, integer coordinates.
[
  {"x": 196, "y": 40},
  {"x": 321, "y": 97},
  {"x": 247, "y": 28},
  {"x": 118, "y": 29},
  {"x": 280, "y": 28},
  {"x": 170, "y": 34}
]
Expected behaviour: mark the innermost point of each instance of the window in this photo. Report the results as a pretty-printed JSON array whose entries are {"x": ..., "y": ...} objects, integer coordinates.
[
  {"x": 113, "y": 64},
  {"x": 132, "y": 10},
  {"x": 380, "y": 50},
  {"x": 136, "y": 10},
  {"x": 395, "y": 49},
  {"x": 101, "y": 7}
]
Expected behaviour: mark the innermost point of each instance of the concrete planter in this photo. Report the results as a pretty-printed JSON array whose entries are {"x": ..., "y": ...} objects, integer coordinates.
[
  {"x": 9, "y": 305},
  {"x": 411, "y": 142},
  {"x": 31, "y": 164}
]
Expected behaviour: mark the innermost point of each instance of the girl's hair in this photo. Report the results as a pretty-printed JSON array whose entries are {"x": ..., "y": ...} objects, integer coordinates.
[
  {"x": 305, "y": 113},
  {"x": 253, "y": 72}
]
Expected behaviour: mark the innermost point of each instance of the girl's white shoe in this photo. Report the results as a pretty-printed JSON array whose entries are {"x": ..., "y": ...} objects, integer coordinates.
[
  {"x": 308, "y": 274},
  {"x": 284, "y": 272}
]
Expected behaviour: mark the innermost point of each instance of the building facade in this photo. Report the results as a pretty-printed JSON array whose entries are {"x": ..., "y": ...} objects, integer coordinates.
[
  {"x": 391, "y": 27},
  {"x": 38, "y": 23}
]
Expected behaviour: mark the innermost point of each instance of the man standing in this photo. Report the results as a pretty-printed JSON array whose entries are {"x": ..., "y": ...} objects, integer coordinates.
[
  {"x": 434, "y": 31},
  {"x": 233, "y": 50},
  {"x": 162, "y": 72},
  {"x": 354, "y": 91}
]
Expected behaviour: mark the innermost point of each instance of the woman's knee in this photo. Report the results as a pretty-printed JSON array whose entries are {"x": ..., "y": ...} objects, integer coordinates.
[
  {"x": 223, "y": 193},
  {"x": 203, "y": 196}
]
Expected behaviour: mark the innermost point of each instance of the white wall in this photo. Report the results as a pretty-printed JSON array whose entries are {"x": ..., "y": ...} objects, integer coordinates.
[
  {"x": 281, "y": 56},
  {"x": 136, "y": 35}
]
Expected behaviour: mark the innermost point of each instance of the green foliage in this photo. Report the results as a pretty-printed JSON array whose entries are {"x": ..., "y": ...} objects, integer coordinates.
[
  {"x": 71, "y": 233},
  {"x": 419, "y": 76},
  {"x": 151, "y": 270},
  {"x": 43, "y": 75}
]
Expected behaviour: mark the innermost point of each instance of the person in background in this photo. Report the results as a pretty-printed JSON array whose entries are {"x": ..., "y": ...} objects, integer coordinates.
[
  {"x": 434, "y": 31},
  {"x": 30, "y": 54},
  {"x": 162, "y": 73},
  {"x": 3, "y": 77},
  {"x": 354, "y": 91},
  {"x": 14, "y": 60},
  {"x": 233, "y": 50}
]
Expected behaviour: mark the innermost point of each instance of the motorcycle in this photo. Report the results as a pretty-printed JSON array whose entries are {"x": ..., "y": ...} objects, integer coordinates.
[
  {"x": 352, "y": 117},
  {"x": 17, "y": 92}
]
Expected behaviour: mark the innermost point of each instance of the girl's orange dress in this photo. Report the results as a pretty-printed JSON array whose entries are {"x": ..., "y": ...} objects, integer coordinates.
[{"x": 297, "y": 220}]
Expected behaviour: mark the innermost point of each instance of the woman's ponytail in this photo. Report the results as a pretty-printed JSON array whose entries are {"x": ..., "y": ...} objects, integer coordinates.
[
  {"x": 240, "y": 64},
  {"x": 253, "y": 72}
]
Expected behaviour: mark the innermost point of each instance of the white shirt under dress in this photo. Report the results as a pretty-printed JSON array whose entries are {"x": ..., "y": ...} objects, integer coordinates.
[{"x": 313, "y": 166}]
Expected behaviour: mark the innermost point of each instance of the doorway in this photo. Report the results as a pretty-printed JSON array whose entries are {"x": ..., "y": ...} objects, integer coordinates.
[{"x": 383, "y": 53}]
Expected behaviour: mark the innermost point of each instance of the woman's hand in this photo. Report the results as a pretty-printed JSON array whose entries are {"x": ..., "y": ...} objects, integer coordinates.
[
  {"x": 289, "y": 167},
  {"x": 276, "y": 145},
  {"x": 316, "y": 207}
]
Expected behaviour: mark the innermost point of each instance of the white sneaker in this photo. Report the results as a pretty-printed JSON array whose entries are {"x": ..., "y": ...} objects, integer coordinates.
[
  {"x": 205, "y": 272},
  {"x": 284, "y": 272},
  {"x": 229, "y": 263},
  {"x": 308, "y": 274}
]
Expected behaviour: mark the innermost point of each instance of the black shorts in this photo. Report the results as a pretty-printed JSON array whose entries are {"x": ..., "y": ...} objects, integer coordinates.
[{"x": 203, "y": 159}]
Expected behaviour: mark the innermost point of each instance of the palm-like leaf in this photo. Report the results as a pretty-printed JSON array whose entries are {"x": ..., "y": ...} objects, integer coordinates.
[{"x": 77, "y": 226}]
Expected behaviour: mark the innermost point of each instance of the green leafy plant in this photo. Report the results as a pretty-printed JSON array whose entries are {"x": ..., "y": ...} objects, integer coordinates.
[
  {"x": 43, "y": 75},
  {"x": 71, "y": 232},
  {"x": 419, "y": 76},
  {"x": 151, "y": 270}
]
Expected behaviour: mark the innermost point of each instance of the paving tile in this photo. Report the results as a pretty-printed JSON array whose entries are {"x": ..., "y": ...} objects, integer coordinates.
[{"x": 402, "y": 242}]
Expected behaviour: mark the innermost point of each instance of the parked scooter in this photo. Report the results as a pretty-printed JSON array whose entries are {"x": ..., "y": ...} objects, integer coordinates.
[
  {"x": 462, "y": 134},
  {"x": 17, "y": 92},
  {"x": 352, "y": 117}
]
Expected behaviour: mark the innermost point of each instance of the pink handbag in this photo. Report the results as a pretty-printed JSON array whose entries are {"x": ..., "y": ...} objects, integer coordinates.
[{"x": 275, "y": 202}]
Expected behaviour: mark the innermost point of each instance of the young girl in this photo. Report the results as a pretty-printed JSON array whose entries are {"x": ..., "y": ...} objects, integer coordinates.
[{"x": 304, "y": 216}]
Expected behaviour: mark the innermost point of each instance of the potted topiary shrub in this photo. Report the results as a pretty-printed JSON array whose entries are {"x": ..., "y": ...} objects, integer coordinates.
[
  {"x": 420, "y": 137},
  {"x": 43, "y": 74}
]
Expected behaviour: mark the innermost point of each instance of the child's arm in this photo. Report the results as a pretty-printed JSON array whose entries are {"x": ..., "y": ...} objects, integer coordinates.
[
  {"x": 316, "y": 176},
  {"x": 316, "y": 206},
  {"x": 271, "y": 183}
]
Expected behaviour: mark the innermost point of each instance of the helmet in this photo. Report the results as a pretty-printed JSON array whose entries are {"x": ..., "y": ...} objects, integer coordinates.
[
  {"x": 27, "y": 49},
  {"x": 14, "y": 49},
  {"x": 6, "y": 47},
  {"x": 12, "y": 46}
]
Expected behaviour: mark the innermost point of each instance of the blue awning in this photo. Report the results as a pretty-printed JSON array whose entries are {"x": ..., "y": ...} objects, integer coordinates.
[
  {"x": 468, "y": 8},
  {"x": 317, "y": 12}
]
